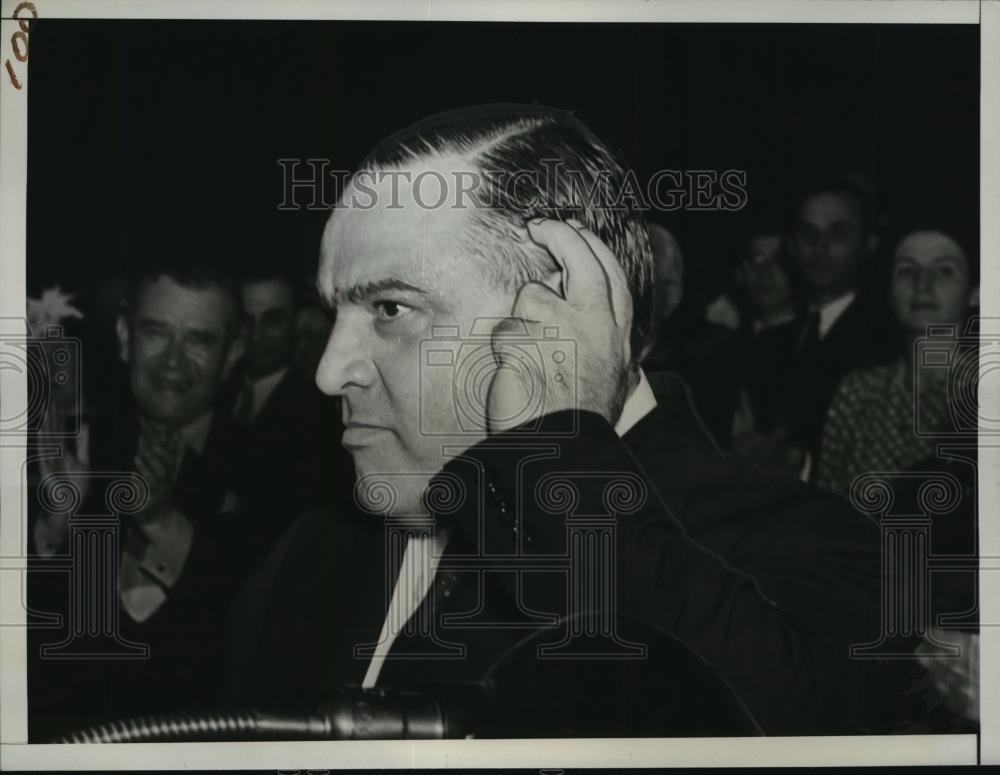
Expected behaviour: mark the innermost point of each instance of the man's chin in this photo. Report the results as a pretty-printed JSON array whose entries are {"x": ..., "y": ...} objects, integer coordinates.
[
  {"x": 391, "y": 494},
  {"x": 172, "y": 413},
  {"x": 383, "y": 499},
  {"x": 390, "y": 482}
]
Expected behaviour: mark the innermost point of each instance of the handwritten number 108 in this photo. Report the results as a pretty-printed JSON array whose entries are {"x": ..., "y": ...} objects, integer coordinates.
[{"x": 19, "y": 40}]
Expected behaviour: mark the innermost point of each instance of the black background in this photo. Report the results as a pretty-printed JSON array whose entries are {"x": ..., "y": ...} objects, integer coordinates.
[{"x": 142, "y": 132}]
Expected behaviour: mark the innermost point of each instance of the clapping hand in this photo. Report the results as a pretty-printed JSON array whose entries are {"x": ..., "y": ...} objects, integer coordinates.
[{"x": 158, "y": 461}]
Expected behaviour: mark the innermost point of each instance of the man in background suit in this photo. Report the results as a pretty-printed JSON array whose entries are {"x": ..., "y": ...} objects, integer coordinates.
[
  {"x": 759, "y": 579},
  {"x": 767, "y": 338},
  {"x": 845, "y": 327},
  {"x": 284, "y": 464},
  {"x": 686, "y": 343}
]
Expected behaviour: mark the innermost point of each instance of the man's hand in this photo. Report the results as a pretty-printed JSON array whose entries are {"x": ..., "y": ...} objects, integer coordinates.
[
  {"x": 158, "y": 461},
  {"x": 773, "y": 448},
  {"x": 70, "y": 461},
  {"x": 594, "y": 314},
  {"x": 69, "y": 466}
]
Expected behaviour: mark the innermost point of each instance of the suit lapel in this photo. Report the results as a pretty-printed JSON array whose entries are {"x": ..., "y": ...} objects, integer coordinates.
[
  {"x": 271, "y": 411},
  {"x": 666, "y": 439}
]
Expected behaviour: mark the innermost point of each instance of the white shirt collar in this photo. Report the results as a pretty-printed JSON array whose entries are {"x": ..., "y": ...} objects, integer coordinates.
[
  {"x": 263, "y": 388},
  {"x": 832, "y": 310},
  {"x": 760, "y": 325},
  {"x": 640, "y": 402}
]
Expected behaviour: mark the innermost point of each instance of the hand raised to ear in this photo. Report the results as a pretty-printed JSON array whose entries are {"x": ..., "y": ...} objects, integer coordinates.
[{"x": 565, "y": 351}]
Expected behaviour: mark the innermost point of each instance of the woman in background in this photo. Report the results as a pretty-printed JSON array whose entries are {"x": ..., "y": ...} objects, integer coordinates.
[
  {"x": 873, "y": 421},
  {"x": 888, "y": 419}
]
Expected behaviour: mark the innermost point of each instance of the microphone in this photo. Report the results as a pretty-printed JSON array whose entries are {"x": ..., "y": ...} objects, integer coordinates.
[
  {"x": 671, "y": 692},
  {"x": 443, "y": 711}
]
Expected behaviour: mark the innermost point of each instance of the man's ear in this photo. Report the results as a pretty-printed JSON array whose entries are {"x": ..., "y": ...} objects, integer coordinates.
[
  {"x": 974, "y": 297},
  {"x": 554, "y": 281},
  {"x": 121, "y": 328}
]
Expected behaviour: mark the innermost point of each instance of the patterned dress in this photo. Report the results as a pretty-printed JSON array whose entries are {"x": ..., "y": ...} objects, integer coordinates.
[{"x": 874, "y": 419}]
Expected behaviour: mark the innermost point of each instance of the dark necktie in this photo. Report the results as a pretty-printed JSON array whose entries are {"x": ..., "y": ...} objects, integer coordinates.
[
  {"x": 244, "y": 403},
  {"x": 809, "y": 337}
]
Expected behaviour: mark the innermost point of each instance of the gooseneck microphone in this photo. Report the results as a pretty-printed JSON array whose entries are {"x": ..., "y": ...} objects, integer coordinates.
[
  {"x": 669, "y": 691},
  {"x": 444, "y": 711}
]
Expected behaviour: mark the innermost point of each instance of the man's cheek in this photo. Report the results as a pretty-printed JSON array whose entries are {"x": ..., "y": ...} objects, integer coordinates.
[
  {"x": 200, "y": 362},
  {"x": 145, "y": 350}
]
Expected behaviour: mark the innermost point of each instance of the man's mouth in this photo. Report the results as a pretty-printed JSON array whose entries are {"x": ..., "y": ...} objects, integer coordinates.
[
  {"x": 361, "y": 434},
  {"x": 170, "y": 385}
]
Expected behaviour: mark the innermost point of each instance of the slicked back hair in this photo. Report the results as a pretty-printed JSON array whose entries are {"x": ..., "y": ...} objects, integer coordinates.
[
  {"x": 270, "y": 267},
  {"x": 838, "y": 186},
  {"x": 528, "y": 162},
  {"x": 188, "y": 274}
]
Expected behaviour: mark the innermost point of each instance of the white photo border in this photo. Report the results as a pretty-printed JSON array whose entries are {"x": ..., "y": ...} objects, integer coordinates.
[{"x": 869, "y": 750}]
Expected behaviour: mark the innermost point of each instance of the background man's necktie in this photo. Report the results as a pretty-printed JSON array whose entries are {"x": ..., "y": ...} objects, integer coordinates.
[
  {"x": 809, "y": 335},
  {"x": 244, "y": 403}
]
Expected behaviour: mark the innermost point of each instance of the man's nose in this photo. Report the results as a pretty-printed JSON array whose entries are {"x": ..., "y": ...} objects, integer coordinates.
[
  {"x": 173, "y": 354},
  {"x": 925, "y": 280},
  {"x": 821, "y": 246},
  {"x": 256, "y": 337},
  {"x": 344, "y": 364}
]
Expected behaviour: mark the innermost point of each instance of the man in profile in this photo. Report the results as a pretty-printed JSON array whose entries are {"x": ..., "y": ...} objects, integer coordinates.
[{"x": 472, "y": 460}]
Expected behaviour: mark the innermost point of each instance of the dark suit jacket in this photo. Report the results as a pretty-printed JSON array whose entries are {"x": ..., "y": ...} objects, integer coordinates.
[
  {"x": 763, "y": 363},
  {"x": 289, "y": 459},
  {"x": 768, "y": 581},
  {"x": 706, "y": 356},
  {"x": 185, "y": 635},
  {"x": 862, "y": 336}
]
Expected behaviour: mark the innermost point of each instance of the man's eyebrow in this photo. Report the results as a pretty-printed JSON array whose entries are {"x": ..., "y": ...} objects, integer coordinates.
[{"x": 358, "y": 294}]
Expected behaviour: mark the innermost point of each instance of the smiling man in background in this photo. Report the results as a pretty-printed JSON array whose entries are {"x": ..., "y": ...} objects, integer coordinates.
[{"x": 179, "y": 564}]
